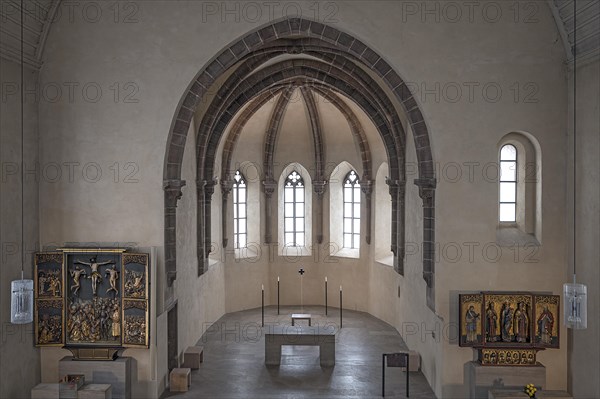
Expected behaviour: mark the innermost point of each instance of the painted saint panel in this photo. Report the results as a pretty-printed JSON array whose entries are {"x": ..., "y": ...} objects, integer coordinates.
[{"x": 471, "y": 332}]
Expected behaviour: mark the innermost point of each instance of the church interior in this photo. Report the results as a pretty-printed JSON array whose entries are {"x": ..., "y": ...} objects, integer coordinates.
[{"x": 235, "y": 199}]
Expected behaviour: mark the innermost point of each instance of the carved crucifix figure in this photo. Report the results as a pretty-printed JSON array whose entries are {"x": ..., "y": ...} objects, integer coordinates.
[{"x": 95, "y": 276}]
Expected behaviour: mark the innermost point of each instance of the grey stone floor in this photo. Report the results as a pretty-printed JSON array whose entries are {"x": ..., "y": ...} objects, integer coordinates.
[{"x": 234, "y": 351}]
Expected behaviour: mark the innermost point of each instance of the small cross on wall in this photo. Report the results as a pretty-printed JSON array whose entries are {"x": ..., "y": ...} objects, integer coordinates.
[{"x": 301, "y": 271}]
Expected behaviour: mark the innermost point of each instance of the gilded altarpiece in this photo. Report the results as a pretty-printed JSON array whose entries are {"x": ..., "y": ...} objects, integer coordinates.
[
  {"x": 87, "y": 299},
  {"x": 49, "y": 299},
  {"x": 509, "y": 328}
]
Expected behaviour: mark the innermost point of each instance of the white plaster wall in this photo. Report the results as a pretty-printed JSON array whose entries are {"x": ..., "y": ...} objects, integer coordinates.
[
  {"x": 400, "y": 300},
  {"x": 170, "y": 42},
  {"x": 19, "y": 360},
  {"x": 200, "y": 299},
  {"x": 584, "y": 353}
]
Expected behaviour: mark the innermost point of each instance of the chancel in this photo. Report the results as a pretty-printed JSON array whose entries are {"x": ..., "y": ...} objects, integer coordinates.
[{"x": 185, "y": 185}]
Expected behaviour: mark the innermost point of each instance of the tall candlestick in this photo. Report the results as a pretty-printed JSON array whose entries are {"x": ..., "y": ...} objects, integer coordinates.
[
  {"x": 263, "y": 305},
  {"x": 325, "y": 296},
  {"x": 277, "y": 294},
  {"x": 341, "y": 305}
]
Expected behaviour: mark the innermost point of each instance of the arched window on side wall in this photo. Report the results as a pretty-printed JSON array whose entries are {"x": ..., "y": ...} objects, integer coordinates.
[
  {"x": 519, "y": 190},
  {"x": 294, "y": 218},
  {"x": 351, "y": 194},
  {"x": 240, "y": 211},
  {"x": 508, "y": 184}
]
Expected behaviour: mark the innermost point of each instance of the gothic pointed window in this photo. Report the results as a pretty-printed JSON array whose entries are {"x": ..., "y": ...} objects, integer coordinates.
[
  {"x": 293, "y": 212},
  {"x": 351, "y": 229},
  {"x": 508, "y": 184},
  {"x": 240, "y": 207}
]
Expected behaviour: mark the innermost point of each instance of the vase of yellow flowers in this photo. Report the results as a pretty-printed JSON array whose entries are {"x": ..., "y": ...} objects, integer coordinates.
[{"x": 530, "y": 390}]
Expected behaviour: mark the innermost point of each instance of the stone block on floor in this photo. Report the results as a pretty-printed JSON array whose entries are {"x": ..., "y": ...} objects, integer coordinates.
[
  {"x": 95, "y": 391},
  {"x": 180, "y": 379},
  {"x": 414, "y": 361},
  {"x": 45, "y": 391},
  {"x": 192, "y": 357}
]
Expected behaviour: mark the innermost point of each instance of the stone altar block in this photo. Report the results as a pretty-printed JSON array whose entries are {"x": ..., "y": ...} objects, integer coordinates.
[
  {"x": 324, "y": 338},
  {"x": 95, "y": 391},
  {"x": 481, "y": 379},
  {"x": 301, "y": 316},
  {"x": 45, "y": 391},
  {"x": 117, "y": 373},
  {"x": 514, "y": 394}
]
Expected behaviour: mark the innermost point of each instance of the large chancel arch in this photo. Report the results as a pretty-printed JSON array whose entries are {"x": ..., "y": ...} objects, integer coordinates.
[{"x": 300, "y": 53}]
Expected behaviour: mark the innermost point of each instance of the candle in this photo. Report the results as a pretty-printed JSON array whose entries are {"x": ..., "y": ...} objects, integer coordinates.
[
  {"x": 325, "y": 278},
  {"x": 340, "y": 287},
  {"x": 263, "y": 287},
  {"x": 277, "y": 278}
]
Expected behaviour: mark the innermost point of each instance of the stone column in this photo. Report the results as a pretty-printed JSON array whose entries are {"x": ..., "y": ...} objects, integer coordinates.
[
  {"x": 367, "y": 189},
  {"x": 401, "y": 227},
  {"x": 427, "y": 194},
  {"x": 269, "y": 187},
  {"x": 209, "y": 190},
  {"x": 173, "y": 193},
  {"x": 226, "y": 187},
  {"x": 393, "y": 187},
  {"x": 200, "y": 225},
  {"x": 319, "y": 190}
]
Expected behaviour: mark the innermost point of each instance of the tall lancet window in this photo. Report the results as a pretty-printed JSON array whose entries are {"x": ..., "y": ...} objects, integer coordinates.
[
  {"x": 293, "y": 212},
  {"x": 508, "y": 183},
  {"x": 351, "y": 211},
  {"x": 240, "y": 208}
]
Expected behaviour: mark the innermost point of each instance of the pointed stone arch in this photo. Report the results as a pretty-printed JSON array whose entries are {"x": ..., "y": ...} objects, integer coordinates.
[{"x": 346, "y": 53}]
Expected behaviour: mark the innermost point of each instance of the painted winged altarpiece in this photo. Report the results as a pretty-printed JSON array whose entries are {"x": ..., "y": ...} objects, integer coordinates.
[{"x": 92, "y": 300}]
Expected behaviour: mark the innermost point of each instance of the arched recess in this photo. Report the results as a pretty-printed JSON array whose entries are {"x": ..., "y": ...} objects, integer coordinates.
[
  {"x": 273, "y": 127},
  {"x": 344, "y": 52},
  {"x": 373, "y": 103}
]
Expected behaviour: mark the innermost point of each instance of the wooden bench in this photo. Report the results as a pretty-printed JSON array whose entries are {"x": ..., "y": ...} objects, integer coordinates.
[
  {"x": 301, "y": 316},
  {"x": 324, "y": 338},
  {"x": 193, "y": 356},
  {"x": 180, "y": 379}
]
